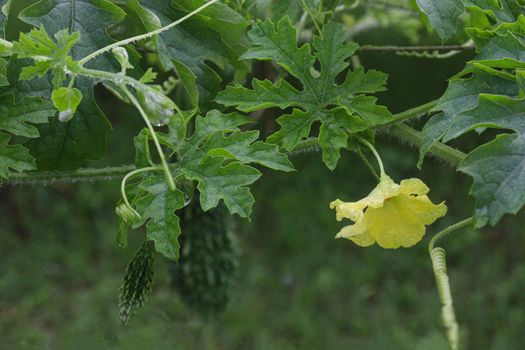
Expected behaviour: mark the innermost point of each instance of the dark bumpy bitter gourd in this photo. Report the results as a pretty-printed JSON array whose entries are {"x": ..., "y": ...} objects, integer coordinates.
[
  {"x": 138, "y": 281},
  {"x": 209, "y": 260}
]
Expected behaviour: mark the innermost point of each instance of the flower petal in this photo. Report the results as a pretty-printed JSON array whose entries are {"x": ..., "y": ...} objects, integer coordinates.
[
  {"x": 357, "y": 234},
  {"x": 413, "y": 186},
  {"x": 350, "y": 210},
  {"x": 402, "y": 219},
  {"x": 386, "y": 188}
]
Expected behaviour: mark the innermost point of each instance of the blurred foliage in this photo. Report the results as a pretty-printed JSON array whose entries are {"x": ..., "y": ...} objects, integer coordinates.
[{"x": 298, "y": 288}]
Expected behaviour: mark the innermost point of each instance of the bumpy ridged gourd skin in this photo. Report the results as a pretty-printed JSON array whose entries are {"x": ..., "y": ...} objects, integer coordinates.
[
  {"x": 138, "y": 281},
  {"x": 208, "y": 262}
]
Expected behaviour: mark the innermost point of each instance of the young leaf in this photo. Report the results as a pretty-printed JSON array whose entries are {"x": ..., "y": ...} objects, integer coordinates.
[
  {"x": 341, "y": 109},
  {"x": 66, "y": 101}
]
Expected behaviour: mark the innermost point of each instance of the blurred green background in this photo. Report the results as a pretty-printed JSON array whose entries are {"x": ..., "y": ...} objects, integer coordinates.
[{"x": 298, "y": 288}]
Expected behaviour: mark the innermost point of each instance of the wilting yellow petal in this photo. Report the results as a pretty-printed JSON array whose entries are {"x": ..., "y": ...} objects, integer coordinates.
[
  {"x": 354, "y": 210},
  {"x": 413, "y": 186},
  {"x": 357, "y": 233},
  {"x": 402, "y": 219},
  {"x": 392, "y": 215}
]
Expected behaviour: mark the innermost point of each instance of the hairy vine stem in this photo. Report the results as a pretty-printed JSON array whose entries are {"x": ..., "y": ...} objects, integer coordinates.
[
  {"x": 144, "y": 36},
  {"x": 413, "y": 112},
  {"x": 414, "y": 138},
  {"x": 402, "y": 131},
  {"x": 80, "y": 175}
]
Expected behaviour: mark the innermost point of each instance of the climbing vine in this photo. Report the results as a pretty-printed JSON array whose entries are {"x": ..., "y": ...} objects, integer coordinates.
[{"x": 191, "y": 69}]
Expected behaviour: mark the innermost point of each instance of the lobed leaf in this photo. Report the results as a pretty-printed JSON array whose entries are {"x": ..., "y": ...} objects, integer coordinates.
[{"x": 341, "y": 109}]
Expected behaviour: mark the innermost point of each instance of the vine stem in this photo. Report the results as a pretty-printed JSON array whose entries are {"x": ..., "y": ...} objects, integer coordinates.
[
  {"x": 403, "y": 132},
  {"x": 413, "y": 112},
  {"x": 447, "y": 231},
  {"x": 80, "y": 175},
  {"x": 414, "y": 138},
  {"x": 167, "y": 172},
  {"x": 146, "y": 35}
]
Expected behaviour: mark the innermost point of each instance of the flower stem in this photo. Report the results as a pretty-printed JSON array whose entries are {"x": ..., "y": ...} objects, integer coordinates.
[
  {"x": 367, "y": 163},
  {"x": 374, "y": 151}
]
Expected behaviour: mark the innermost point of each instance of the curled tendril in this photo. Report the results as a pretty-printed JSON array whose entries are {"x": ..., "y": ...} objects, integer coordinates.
[
  {"x": 127, "y": 213},
  {"x": 124, "y": 210},
  {"x": 169, "y": 85},
  {"x": 439, "y": 264}
]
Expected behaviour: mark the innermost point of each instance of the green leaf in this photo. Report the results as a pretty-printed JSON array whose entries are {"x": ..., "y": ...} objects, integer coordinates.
[
  {"x": 245, "y": 148},
  {"x": 14, "y": 157},
  {"x": 463, "y": 95},
  {"x": 319, "y": 96},
  {"x": 217, "y": 157},
  {"x": 228, "y": 182},
  {"x": 493, "y": 111},
  {"x": 216, "y": 34},
  {"x": 498, "y": 170},
  {"x": 158, "y": 207},
  {"x": 4, "y": 13},
  {"x": 488, "y": 94},
  {"x": 500, "y": 11},
  {"x": 67, "y": 145},
  {"x": 443, "y": 15},
  {"x": 15, "y": 117},
  {"x": 497, "y": 167}
]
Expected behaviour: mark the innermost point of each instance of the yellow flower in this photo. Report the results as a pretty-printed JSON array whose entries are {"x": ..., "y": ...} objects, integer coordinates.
[{"x": 392, "y": 215}]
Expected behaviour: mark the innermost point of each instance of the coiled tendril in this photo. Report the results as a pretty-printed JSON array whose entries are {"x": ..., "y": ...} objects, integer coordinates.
[{"x": 439, "y": 265}]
